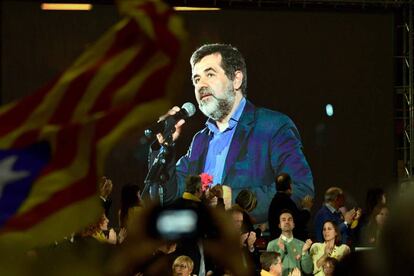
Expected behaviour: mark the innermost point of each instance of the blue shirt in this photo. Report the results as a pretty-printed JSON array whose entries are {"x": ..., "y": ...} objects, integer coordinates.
[{"x": 220, "y": 143}]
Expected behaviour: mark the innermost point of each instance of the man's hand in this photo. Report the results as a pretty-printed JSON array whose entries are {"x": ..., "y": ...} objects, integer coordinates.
[
  {"x": 307, "y": 245},
  {"x": 281, "y": 244},
  {"x": 349, "y": 216},
  {"x": 178, "y": 125},
  {"x": 251, "y": 239},
  {"x": 216, "y": 191},
  {"x": 243, "y": 238}
]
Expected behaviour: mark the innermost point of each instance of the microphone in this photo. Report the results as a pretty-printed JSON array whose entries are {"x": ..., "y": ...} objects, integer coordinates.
[{"x": 166, "y": 126}]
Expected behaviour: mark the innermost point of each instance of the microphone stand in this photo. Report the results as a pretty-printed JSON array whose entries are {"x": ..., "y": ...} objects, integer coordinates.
[{"x": 156, "y": 176}]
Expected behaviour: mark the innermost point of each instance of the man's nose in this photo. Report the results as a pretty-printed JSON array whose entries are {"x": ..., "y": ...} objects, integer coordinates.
[{"x": 201, "y": 84}]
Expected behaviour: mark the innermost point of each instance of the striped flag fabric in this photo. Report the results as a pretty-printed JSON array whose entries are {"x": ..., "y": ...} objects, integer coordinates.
[{"x": 53, "y": 143}]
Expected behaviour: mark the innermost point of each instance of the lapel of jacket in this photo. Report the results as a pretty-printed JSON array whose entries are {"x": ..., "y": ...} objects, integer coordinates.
[
  {"x": 199, "y": 152},
  {"x": 243, "y": 129}
]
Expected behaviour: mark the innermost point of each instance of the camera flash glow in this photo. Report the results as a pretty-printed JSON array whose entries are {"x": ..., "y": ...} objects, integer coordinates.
[
  {"x": 329, "y": 110},
  {"x": 174, "y": 223}
]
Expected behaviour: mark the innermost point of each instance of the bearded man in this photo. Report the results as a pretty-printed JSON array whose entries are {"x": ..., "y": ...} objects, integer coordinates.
[{"x": 242, "y": 146}]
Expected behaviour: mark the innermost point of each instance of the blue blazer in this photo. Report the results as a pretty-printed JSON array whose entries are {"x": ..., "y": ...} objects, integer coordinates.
[{"x": 265, "y": 143}]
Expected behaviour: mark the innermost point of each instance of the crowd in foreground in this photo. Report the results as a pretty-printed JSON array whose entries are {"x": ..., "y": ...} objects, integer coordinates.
[{"x": 203, "y": 233}]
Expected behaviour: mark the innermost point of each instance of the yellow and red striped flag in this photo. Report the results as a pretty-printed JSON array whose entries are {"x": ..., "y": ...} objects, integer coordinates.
[{"x": 53, "y": 143}]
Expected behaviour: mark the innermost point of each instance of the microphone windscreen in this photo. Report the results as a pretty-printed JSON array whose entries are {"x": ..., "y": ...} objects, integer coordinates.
[{"x": 189, "y": 108}]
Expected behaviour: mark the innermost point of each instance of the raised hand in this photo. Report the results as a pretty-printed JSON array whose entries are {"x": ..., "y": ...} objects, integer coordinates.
[
  {"x": 251, "y": 239},
  {"x": 307, "y": 202},
  {"x": 112, "y": 236},
  {"x": 349, "y": 216},
  {"x": 295, "y": 272},
  {"x": 281, "y": 244},
  {"x": 307, "y": 245},
  {"x": 178, "y": 125}
]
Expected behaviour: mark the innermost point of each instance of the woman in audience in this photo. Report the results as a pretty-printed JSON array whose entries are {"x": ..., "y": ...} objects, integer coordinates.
[
  {"x": 331, "y": 247},
  {"x": 374, "y": 197},
  {"x": 375, "y": 224},
  {"x": 96, "y": 231},
  {"x": 182, "y": 266}
]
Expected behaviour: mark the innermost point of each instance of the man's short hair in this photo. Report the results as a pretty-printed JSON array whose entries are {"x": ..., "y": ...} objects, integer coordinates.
[
  {"x": 232, "y": 60},
  {"x": 332, "y": 193},
  {"x": 192, "y": 184},
  {"x": 269, "y": 258},
  {"x": 283, "y": 182},
  {"x": 235, "y": 208},
  {"x": 286, "y": 211}
]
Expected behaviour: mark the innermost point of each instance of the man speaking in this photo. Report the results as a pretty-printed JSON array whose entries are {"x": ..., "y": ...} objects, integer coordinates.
[{"x": 242, "y": 146}]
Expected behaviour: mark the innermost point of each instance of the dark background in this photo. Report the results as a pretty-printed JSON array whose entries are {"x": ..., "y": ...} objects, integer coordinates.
[{"x": 298, "y": 61}]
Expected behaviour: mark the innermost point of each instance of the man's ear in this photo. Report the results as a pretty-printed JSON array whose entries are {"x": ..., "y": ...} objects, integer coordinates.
[{"x": 238, "y": 79}]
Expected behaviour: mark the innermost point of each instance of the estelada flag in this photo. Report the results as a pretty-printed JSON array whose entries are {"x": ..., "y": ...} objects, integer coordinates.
[{"x": 53, "y": 143}]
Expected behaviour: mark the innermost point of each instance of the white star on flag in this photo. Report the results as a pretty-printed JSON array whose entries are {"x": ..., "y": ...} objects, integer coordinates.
[{"x": 7, "y": 174}]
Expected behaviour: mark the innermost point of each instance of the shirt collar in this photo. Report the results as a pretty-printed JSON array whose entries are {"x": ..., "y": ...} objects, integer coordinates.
[
  {"x": 330, "y": 208},
  {"x": 211, "y": 124},
  {"x": 286, "y": 239}
]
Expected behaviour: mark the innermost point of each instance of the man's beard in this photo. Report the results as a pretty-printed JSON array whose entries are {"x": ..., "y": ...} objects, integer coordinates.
[{"x": 218, "y": 108}]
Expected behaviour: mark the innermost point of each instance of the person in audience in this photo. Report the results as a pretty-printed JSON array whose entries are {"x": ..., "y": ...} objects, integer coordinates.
[
  {"x": 192, "y": 199},
  {"x": 373, "y": 229},
  {"x": 271, "y": 264},
  {"x": 282, "y": 200},
  {"x": 192, "y": 194},
  {"x": 131, "y": 203},
  {"x": 96, "y": 231},
  {"x": 246, "y": 199},
  {"x": 397, "y": 242},
  {"x": 182, "y": 266},
  {"x": 329, "y": 266},
  {"x": 294, "y": 252},
  {"x": 374, "y": 197},
  {"x": 334, "y": 199},
  {"x": 331, "y": 247},
  {"x": 105, "y": 190},
  {"x": 247, "y": 240}
]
